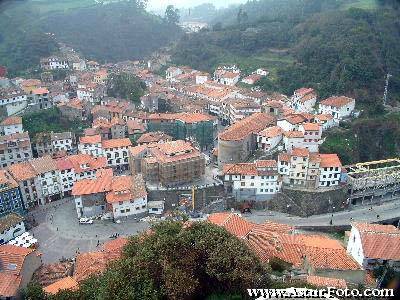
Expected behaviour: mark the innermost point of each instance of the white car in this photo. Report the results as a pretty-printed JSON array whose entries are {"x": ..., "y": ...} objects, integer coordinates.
[{"x": 85, "y": 221}]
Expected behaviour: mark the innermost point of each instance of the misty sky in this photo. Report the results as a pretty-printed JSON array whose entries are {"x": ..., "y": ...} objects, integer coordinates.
[{"x": 161, "y": 4}]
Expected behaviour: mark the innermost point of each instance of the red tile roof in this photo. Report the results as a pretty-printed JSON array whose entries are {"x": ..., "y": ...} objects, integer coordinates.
[
  {"x": 101, "y": 184},
  {"x": 125, "y": 188},
  {"x": 270, "y": 132},
  {"x": 154, "y": 137},
  {"x": 293, "y": 134},
  {"x": 116, "y": 143},
  {"x": 93, "y": 139},
  {"x": 300, "y": 152},
  {"x": 67, "y": 283},
  {"x": 40, "y": 91},
  {"x": 379, "y": 241},
  {"x": 91, "y": 263},
  {"x": 336, "y": 101},
  {"x": 115, "y": 245},
  {"x": 326, "y": 282},
  {"x": 311, "y": 126},
  {"x": 329, "y": 160},
  {"x": 252, "y": 124},
  {"x": 11, "y": 121},
  {"x": 7, "y": 179},
  {"x": 22, "y": 171}
]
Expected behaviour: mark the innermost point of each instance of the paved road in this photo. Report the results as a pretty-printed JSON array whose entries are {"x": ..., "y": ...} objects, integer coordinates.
[
  {"x": 386, "y": 211},
  {"x": 60, "y": 235}
]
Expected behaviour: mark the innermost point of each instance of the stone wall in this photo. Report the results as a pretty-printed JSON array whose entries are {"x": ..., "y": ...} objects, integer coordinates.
[
  {"x": 306, "y": 202},
  {"x": 203, "y": 197}
]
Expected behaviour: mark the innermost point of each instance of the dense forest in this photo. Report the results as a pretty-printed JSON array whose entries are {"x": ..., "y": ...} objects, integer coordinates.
[{"x": 107, "y": 33}]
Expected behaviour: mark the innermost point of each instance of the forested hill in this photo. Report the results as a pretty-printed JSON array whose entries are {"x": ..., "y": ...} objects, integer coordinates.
[
  {"x": 113, "y": 32},
  {"x": 328, "y": 45}
]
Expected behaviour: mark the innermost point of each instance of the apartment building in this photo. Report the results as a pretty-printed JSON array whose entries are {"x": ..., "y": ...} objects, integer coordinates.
[
  {"x": 62, "y": 142},
  {"x": 90, "y": 145},
  {"x": 127, "y": 196},
  {"x": 11, "y": 125},
  {"x": 311, "y": 170},
  {"x": 39, "y": 99},
  {"x": 13, "y": 99},
  {"x": 172, "y": 163},
  {"x": 29, "y": 185},
  {"x": 10, "y": 196},
  {"x": 256, "y": 181},
  {"x": 15, "y": 148},
  {"x": 116, "y": 152},
  {"x": 49, "y": 178}
]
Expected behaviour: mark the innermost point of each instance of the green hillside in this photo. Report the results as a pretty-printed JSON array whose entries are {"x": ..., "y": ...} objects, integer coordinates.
[{"x": 118, "y": 31}]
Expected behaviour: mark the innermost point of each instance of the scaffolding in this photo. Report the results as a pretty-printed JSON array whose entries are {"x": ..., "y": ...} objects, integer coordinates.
[{"x": 374, "y": 181}]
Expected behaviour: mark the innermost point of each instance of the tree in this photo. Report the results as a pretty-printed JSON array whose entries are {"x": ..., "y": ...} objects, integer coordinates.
[
  {"x": 33, "y": 292},
  {"x": 178, "y": 261},
  {"x": 172, "y": 14},
  {"x": 126, "y": 86}
]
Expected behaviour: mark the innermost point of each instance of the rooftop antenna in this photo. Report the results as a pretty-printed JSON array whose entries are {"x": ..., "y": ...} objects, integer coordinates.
[{"x": 386, "y": 88}]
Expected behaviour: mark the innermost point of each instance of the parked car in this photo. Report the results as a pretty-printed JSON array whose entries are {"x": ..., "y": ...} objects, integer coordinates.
[{"x": 85, "y": 221}]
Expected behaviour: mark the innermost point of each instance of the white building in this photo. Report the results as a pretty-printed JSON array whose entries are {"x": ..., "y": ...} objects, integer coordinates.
[
  {"x": 202, "y": 78},
  {"x": 269, "y": 138},
  {"x": 326, "y": 121},
  {"x": 11, "y": 125},
  {"x": 227, "y": 76},
  {"x": 67, "y": 175},
  {"x": 156, "y": 207},
  {"x": 312, "y": 135},
  {"x": 54, "y": 63},
  {"x": 303, "y": 100},
  {"x": 172, "y": 72},
  {"x": 11, "y": 226},
  {"x": 91, "y": 145},
  {"x": 252, "y": 181},
  {"x": 291, "y": 122},
  {"x": 304, "y": 169},
  {"x": 374, "y": 245},
  {"x": 292, "y": 140},
  {"x": 239, "y": 110},
  {"x": 13, "y": 99},
  {"x": 339, "y": 107},
  {"x": 63, "y": 141},
  {"x": 330, "y": 169},
  {"x": 127, "y": 197},
  {"x": 49, "y": 177},
  {"x": 262, "y": 72},
  {"x": 116, "y": 152}
]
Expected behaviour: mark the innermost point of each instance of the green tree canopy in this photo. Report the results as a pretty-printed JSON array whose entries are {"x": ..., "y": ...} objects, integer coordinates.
[
  {"x": 172, "y": 15},
  {"x": 126, "y": 86}
]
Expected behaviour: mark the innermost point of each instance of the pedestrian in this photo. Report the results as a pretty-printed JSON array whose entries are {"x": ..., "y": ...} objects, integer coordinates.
[
  {"x": 98, "y": 243},
  {"x": 377, "y": 216},
  {"x": 57, "y": 228}
]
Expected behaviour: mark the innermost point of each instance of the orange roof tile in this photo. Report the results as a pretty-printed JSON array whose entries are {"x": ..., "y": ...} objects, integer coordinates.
[
  {"x": 7, "y": 179},
  {"x": 326, "y": 282},
  {"x": 252, "y": 124},
  {"x": 91, "y": 263},
  {"x": 9, "y": 284},
  {"x": 270, "y": 132},
  {"x": 125, "y": 188},
  {"x": 11, "y": 121},
  {"x": 311, "y": 126},
  {"x": 116, "y": 143},
  {"x": 154, "y": 137},
  {"x": 22, "y": 171},
  {"x": 284, "y": 157},
  {"x": 293, "y": 134},
  {"x": 93, "y": 139},
  {"x": 40, "y": 91},
  {"x": 219, "y": 218},
  {"x": 329, "y": 160},
  {"x": 336, "y": 101},
  {"x": 266, "y": 163},
  {"x": 67, "y": 283},
  {"x": 115, "y": 245},
  {"x": 300, "y": 152},
  {"x": 101, "y": 184}
]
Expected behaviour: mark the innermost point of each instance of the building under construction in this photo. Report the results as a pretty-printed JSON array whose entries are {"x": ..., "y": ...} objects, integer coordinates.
[{"x": 374, "y": 181}]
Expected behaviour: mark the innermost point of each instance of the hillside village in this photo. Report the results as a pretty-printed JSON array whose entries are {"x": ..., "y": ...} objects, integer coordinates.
[{"x": 191, "y": 131}]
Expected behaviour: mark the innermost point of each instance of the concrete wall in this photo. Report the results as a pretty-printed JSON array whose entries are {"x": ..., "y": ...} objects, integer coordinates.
[{"x": 203, "y": 197}]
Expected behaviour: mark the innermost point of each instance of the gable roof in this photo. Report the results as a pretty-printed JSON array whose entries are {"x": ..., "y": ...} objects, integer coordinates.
[
  {"x": 337, "y": 101},
  {"x": 22, "y": 171},
  {"x": 66, "y": 283}
]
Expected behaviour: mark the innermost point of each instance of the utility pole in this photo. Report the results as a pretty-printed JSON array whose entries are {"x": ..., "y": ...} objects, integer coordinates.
[{"x": 386, "y": 88}]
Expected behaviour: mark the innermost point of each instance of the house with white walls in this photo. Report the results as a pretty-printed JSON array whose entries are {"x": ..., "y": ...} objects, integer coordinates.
[
  {"x": 339, "y": 107},
  {"x": 374, "y": 245},
  {"x": 252, "y": 181}
]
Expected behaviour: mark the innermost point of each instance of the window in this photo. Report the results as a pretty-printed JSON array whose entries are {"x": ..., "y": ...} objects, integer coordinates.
[{"x": 242, "y": 183}]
